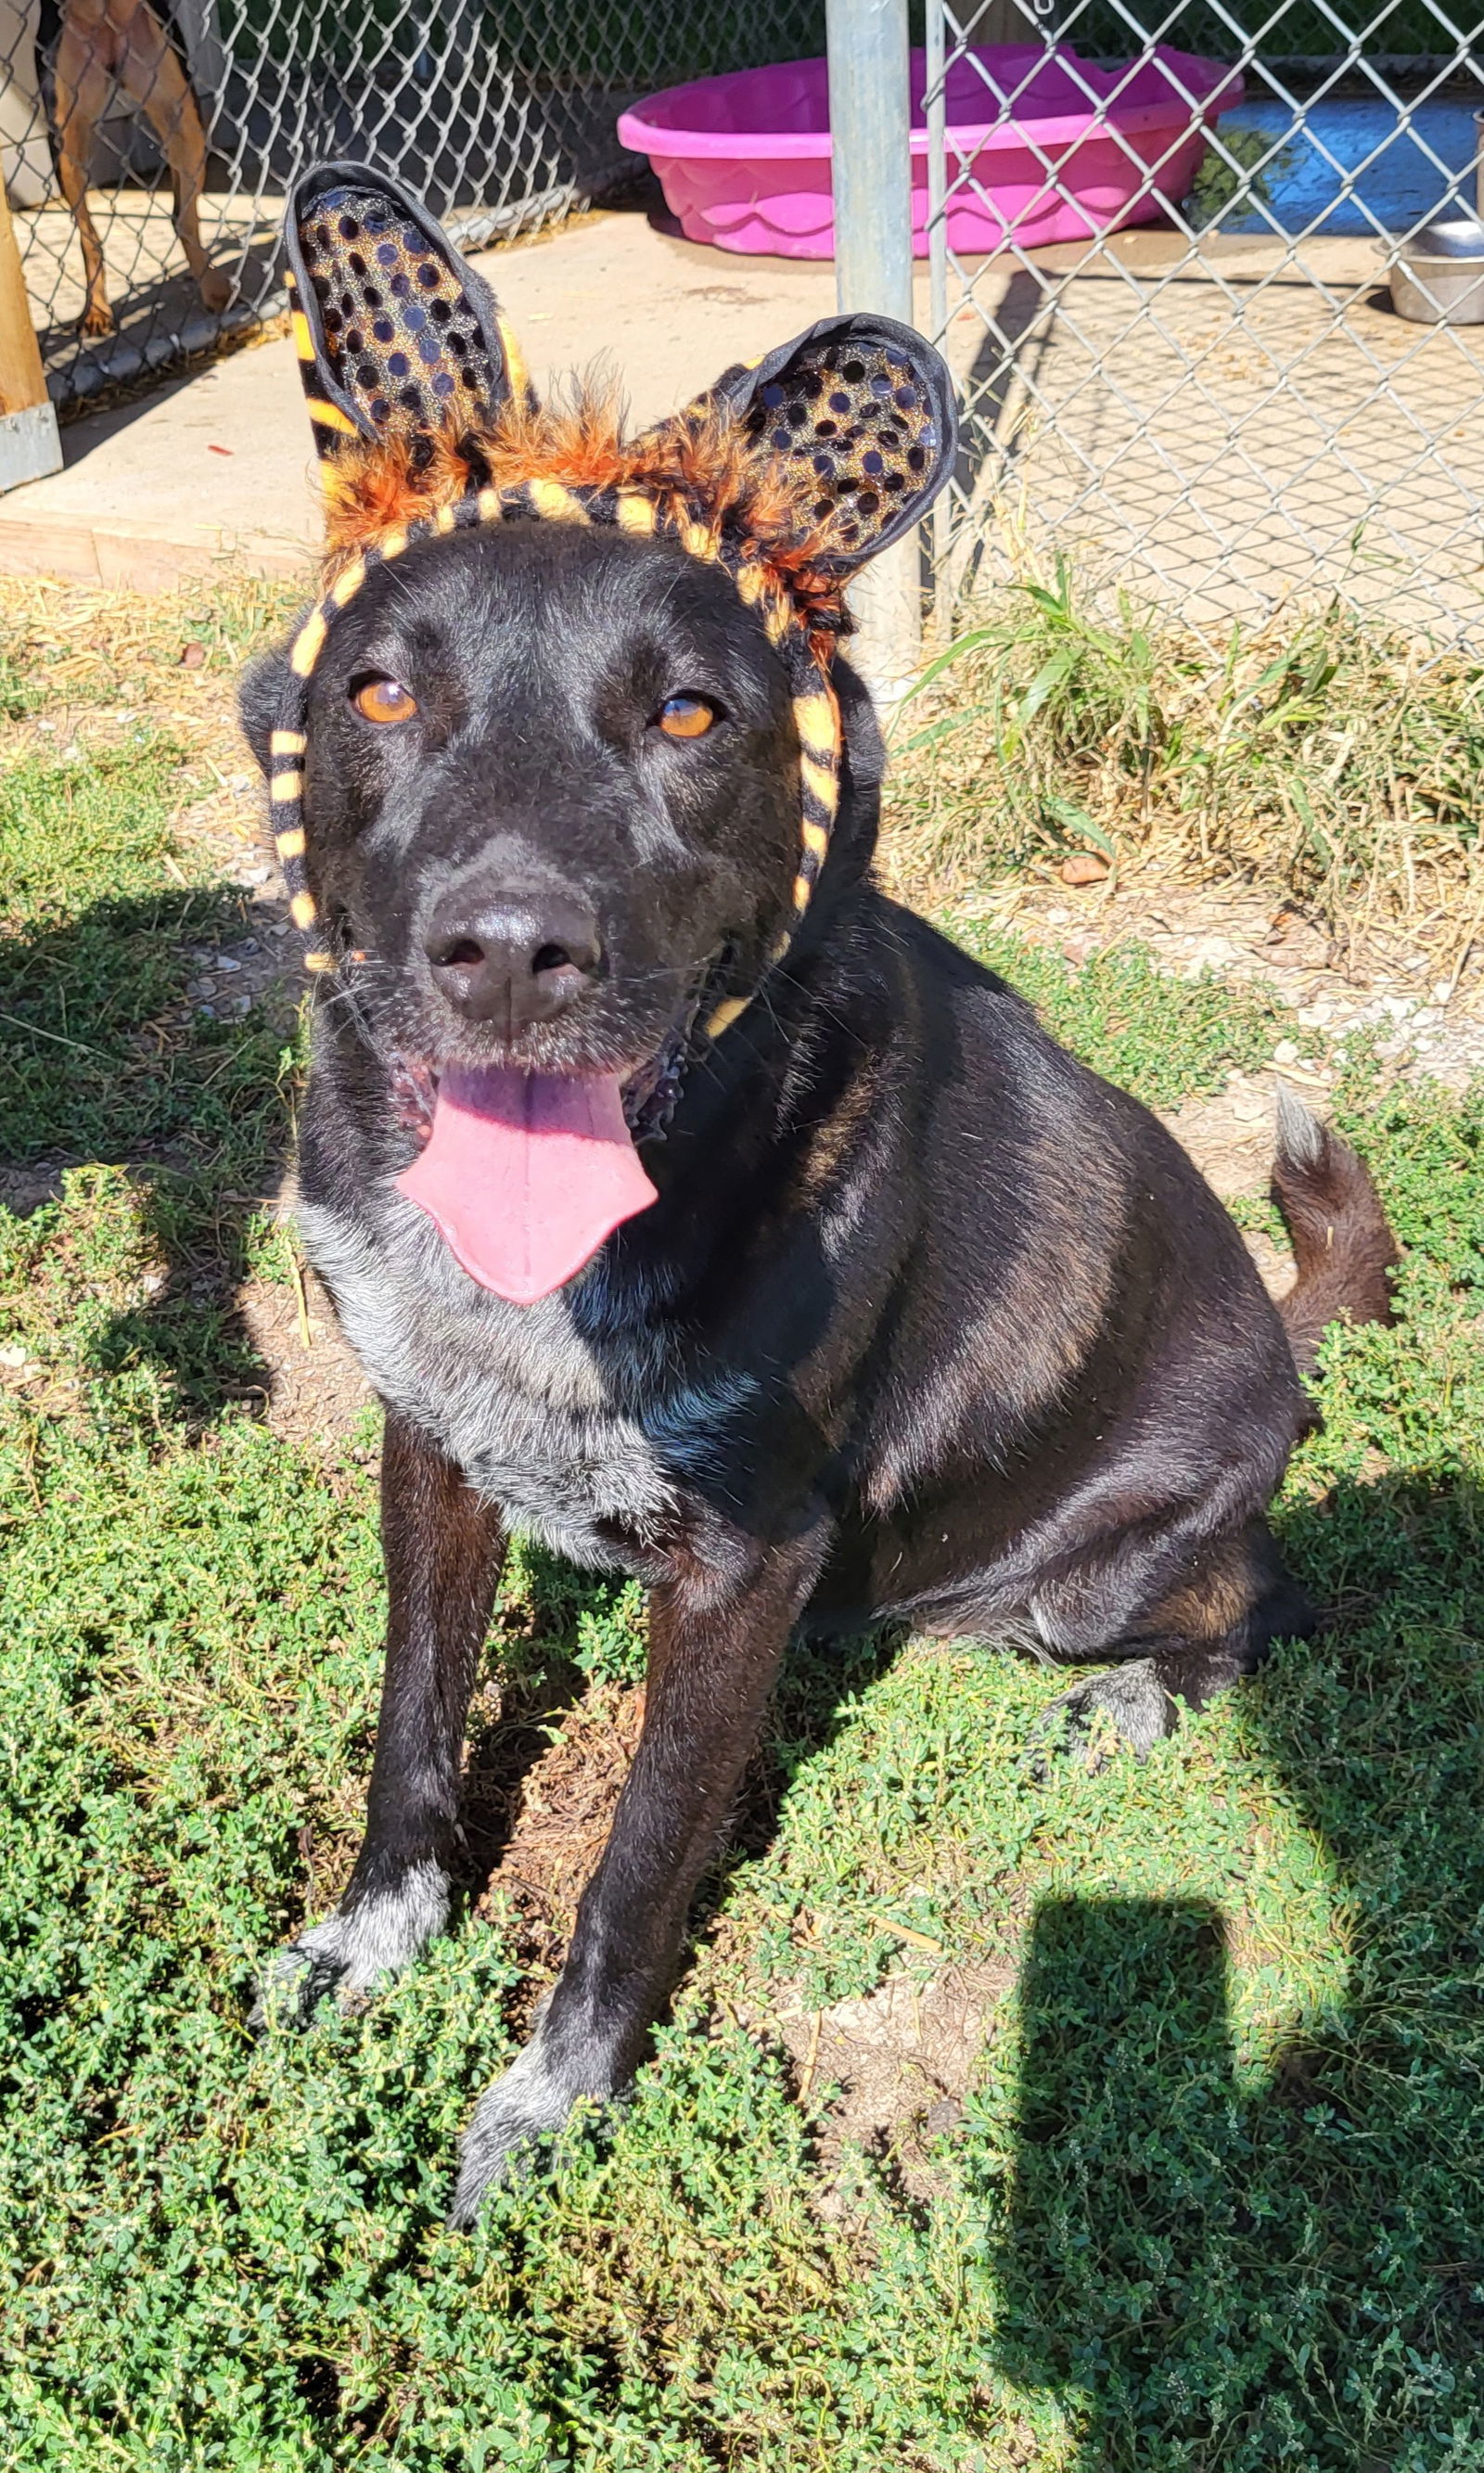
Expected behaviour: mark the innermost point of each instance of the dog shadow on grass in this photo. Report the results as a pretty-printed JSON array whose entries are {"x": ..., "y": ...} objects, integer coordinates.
[
  {"x": 108, "y": 1056},
  {"x": 1284, "y": 2265}
]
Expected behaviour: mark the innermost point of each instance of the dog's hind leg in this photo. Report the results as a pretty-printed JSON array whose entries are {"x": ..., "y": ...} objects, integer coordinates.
[
  {"x": 83, "y": 80},
  {"x": 154, "y": 78},
  {"x": 1215, "y": 1626},
  {"x": 715, "y": 1641},
  {"x": 442, "y": 1548}
]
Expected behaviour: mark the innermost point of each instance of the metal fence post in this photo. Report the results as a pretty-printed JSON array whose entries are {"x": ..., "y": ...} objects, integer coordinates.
[
  {"x": 935, "y": 113},
  {"x": 870, "y": 133}
]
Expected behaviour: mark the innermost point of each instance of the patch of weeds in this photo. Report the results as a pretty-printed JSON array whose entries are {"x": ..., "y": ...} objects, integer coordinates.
[
  {"x": 1318, "y": 755},
  {"x": 1256, "y": 1217},
  {"x": 1040, "y": 680},
  {"x": 596, "y": 1625}
]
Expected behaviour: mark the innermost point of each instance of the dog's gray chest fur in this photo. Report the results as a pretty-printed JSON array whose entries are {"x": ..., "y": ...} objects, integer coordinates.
[{"x": 562, "y": 1428}]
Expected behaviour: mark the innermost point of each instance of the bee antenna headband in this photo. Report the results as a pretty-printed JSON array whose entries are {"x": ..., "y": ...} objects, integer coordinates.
[{"x": 788, "y": 474}]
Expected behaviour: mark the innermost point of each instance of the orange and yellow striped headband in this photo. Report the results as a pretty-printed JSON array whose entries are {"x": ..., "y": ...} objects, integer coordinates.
[{"x": 787, "y": 476}]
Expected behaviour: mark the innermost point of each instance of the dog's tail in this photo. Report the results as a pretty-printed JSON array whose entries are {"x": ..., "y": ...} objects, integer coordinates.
[{"x": 1338, "y": 1230}]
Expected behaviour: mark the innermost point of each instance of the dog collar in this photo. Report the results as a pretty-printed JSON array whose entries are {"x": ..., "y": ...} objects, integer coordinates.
[{"x": 787, "y": 476}]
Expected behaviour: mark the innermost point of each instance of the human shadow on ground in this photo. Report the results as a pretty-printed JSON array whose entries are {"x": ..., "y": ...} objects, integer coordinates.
[{"x": 1282, "y": 2265}]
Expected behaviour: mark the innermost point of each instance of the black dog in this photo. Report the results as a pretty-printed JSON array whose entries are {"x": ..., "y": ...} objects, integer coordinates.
[{"x": 924, "y": 1322}]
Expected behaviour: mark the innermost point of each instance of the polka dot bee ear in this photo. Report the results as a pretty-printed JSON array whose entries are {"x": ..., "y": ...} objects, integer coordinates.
[
  {"x": 862, "y": 409},
  {"x": 395, "y": 333}
]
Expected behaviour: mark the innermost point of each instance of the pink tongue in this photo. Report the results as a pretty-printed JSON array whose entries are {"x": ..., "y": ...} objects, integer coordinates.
[{"x": 525, "y": 1174}]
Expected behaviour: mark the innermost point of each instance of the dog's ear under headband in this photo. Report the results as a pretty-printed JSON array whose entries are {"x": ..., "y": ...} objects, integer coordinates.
[
  {"x": 398, "y": 339},
  {"x": 394, "y": 334},
  {"x": 861, "y": 411}
]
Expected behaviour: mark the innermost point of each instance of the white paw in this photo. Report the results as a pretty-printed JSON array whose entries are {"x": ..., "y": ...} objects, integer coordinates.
[
  {"x": 355, "y": 1951},
  {"x": 530, "y": 2102}
]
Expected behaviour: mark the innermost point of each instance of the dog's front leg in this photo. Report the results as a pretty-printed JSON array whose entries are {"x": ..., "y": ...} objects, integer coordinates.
[
  {"x": 443, "y": 1546},
  {"x": 715, "y": 1639}
]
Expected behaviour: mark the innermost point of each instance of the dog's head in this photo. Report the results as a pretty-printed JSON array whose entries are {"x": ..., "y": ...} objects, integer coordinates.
[{"x": 554, "y": 761}]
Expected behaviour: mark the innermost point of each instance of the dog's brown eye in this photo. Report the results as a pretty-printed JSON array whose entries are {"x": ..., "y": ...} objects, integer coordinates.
[
  {"x": 385, "y": 700},
  {"x": 685, "y": 716}
]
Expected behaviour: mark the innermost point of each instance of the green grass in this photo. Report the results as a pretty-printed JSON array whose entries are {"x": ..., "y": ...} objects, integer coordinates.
[
  {"x": 1163, "y": 1039},
  {"x": 1246, "y": 170},
  {"x": 104, "y": 1058},
  {"x": 1216, "y": 2198},
  {"x": 102, "y": 978}
]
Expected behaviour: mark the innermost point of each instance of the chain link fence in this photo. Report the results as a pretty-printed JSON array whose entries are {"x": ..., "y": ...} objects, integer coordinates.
[
  {"x": 1159, "y": 243},
  {"x": 146, "y": 144},
  {"x": 1159, "y": 246}
]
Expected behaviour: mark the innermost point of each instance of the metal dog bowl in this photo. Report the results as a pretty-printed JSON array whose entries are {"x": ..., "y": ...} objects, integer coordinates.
[{"x": 1437, "y": 275}]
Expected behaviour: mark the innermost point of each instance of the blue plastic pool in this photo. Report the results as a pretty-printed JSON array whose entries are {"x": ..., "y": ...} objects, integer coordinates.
[{"x": 1400, "y": 187}]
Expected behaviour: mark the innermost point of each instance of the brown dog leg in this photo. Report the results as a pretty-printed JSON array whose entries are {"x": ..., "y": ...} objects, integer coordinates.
[
  {"x": 443, "y": 1546},
  {"x": 82, "y": 82},
  {"x": 152, "y": 76},
  {"x": 715, "y": 1641}
]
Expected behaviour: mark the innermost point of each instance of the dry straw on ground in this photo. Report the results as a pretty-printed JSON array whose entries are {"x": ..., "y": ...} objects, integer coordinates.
[
  {"x": 1314, "y": 756},
  {"x": 77, "y": 648}
]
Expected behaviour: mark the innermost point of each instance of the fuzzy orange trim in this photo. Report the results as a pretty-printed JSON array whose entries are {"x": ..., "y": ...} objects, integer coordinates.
[{"x": 702, "y": 458}]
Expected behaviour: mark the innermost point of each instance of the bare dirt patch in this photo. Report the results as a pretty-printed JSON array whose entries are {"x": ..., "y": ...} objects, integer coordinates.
[
  {"x": 901, "y": 2058},
  {"x": 1428, "y": 1019},
  {"x": 313, "y": 1388},
  {"x": 565, "y": 1804},
  {"x": 548, "y": 1811}
]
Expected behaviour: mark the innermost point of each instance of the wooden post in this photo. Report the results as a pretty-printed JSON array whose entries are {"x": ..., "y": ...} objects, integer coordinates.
[{"x": 29, "y": 446}]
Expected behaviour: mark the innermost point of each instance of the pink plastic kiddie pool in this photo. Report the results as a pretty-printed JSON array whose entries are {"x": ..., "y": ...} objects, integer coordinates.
[{"x": 744, "y": 161}]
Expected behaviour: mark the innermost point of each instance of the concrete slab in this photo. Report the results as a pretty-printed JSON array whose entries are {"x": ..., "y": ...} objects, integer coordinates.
[
  {"x": 219, "y": 465},
  {"x": 216, "y": 465},
  {"x": 1223, "y": 429}
]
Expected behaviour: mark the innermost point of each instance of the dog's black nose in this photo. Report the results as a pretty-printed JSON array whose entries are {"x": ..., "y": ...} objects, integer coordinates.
[{"x": 515, "y": 962}]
